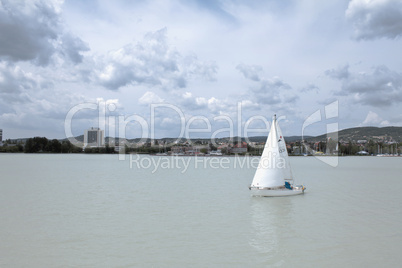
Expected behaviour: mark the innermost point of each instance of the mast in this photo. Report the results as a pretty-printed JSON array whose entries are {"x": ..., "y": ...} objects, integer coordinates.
[{"x": 283, "y": 152}]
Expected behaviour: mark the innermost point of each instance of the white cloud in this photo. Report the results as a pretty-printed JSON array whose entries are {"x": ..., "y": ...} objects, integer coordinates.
[
  {"x": 248, "y": 104},
  {"x": 151, "y": 62},
  {"x": 373, "y": 119}
]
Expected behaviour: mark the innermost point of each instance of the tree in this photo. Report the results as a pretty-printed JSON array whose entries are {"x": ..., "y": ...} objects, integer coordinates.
[
  {"x": 29, "y": 146},
  {"x": 212, "y": 147},
  {"x": 68, "y": 147},
  {"x": 53, "y": 146},
  {"x": 371, "y": 147}
]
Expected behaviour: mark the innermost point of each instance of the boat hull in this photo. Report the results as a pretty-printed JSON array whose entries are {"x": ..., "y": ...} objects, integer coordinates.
[{"x": 276, "y": 192}]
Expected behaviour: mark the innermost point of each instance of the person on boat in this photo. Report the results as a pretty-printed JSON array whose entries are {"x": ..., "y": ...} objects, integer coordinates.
[{"x": 288, "y": 186}]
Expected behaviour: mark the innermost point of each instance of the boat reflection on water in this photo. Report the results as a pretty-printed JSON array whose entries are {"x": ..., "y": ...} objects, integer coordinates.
[{"x": 272, "y": 229}]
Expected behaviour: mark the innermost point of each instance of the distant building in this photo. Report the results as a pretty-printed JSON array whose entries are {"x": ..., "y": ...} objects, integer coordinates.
[
  {"x": 296, "y": 150},
  {"x": 239, "y": 148},
  {"x": 178, "y": 150},
  {"x": 94, "y": 137}
]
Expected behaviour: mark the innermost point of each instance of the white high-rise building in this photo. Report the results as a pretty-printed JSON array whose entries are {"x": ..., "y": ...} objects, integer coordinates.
[{"x": 94, "y": 137}]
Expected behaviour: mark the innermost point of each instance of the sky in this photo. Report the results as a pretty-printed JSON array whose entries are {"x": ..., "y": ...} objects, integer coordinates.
[{"x": 202, "y": 68}]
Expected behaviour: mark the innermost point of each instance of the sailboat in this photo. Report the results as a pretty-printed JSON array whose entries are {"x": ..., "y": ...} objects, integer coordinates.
[{"x": 274, "y": 175}]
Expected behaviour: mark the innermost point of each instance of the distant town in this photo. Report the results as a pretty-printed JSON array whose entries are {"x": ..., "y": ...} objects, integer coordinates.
[{"x": 356, "y": 141}]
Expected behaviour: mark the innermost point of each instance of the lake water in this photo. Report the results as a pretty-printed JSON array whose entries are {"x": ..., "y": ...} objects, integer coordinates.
[{"x": 96, "y": 211}]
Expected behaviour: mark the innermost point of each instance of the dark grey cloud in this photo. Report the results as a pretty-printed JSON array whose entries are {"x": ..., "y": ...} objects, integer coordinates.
[
  {"x": 15, "y": 88},
  {"x": 32, "y": 31},
  {"x": 14, "y": 82},
  {"x": 381, "y": 87},
  {"x": 375, "y": 19},
  {"x": 341, "y": 72},
  {"x": 252, "y": 72},
  {"x": 151, "y": 62},
  {"x": 31, "y": 94},
  {"x": 72, "y": 46},
  {"x": 310, "y": 87},
  {"x": 273, "y": 91},
  {"x": 30, "y": 101}
]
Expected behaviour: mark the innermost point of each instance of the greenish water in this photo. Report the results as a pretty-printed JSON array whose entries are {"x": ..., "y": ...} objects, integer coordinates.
[{"x": 96, "y": 211}]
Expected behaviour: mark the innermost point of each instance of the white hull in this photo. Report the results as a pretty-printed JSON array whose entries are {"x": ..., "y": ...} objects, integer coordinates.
[{"x": 278, "y": 192}]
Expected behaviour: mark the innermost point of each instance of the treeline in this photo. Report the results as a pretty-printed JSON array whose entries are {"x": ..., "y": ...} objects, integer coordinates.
[
  {"x": 146, "y": 149},
  {"x": 371, "y": 147},
  {"x": 12, "y": 148},
  {"x": 100, "y": 150},
  {"x": 43, "y": 145}
]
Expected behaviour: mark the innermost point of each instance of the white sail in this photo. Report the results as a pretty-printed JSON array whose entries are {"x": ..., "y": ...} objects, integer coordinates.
[
  {"x": 283, "y": 152},
  {"x": 270, "y": 171}
]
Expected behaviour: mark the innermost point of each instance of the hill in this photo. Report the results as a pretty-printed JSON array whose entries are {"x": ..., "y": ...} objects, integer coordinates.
[
  {"x": 365, "y": 133},
  {"x": 377, "y": 134}
]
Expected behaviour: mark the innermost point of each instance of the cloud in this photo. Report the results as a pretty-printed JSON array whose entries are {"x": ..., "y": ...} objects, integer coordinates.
[
  {"x": 151, "y": 62},
  {"x": 375, "y": 19},
  {"x": 32, "y": 31},
  {"x": 190, "y": 102},
  {"x": 30, "y": 101},
  {"x": 310, "y": 87},
  {"x": 210, "y": 106},
  {"x": 373, "y": 119},
  {"x": 381, "y": 87},
  {"x": 274, "y": 92},
  {"x": 341, "y": 72},
  {"x": 72, "y": 46},
  {"x": 248, "y": 104},
  {"x": 252, "y": 72},
  {"x": 268, "y": 92},
  {"x": 43, "y": 110},
  {"x": 44, "y": 69},
  {"x": 15, "y": 83}
]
